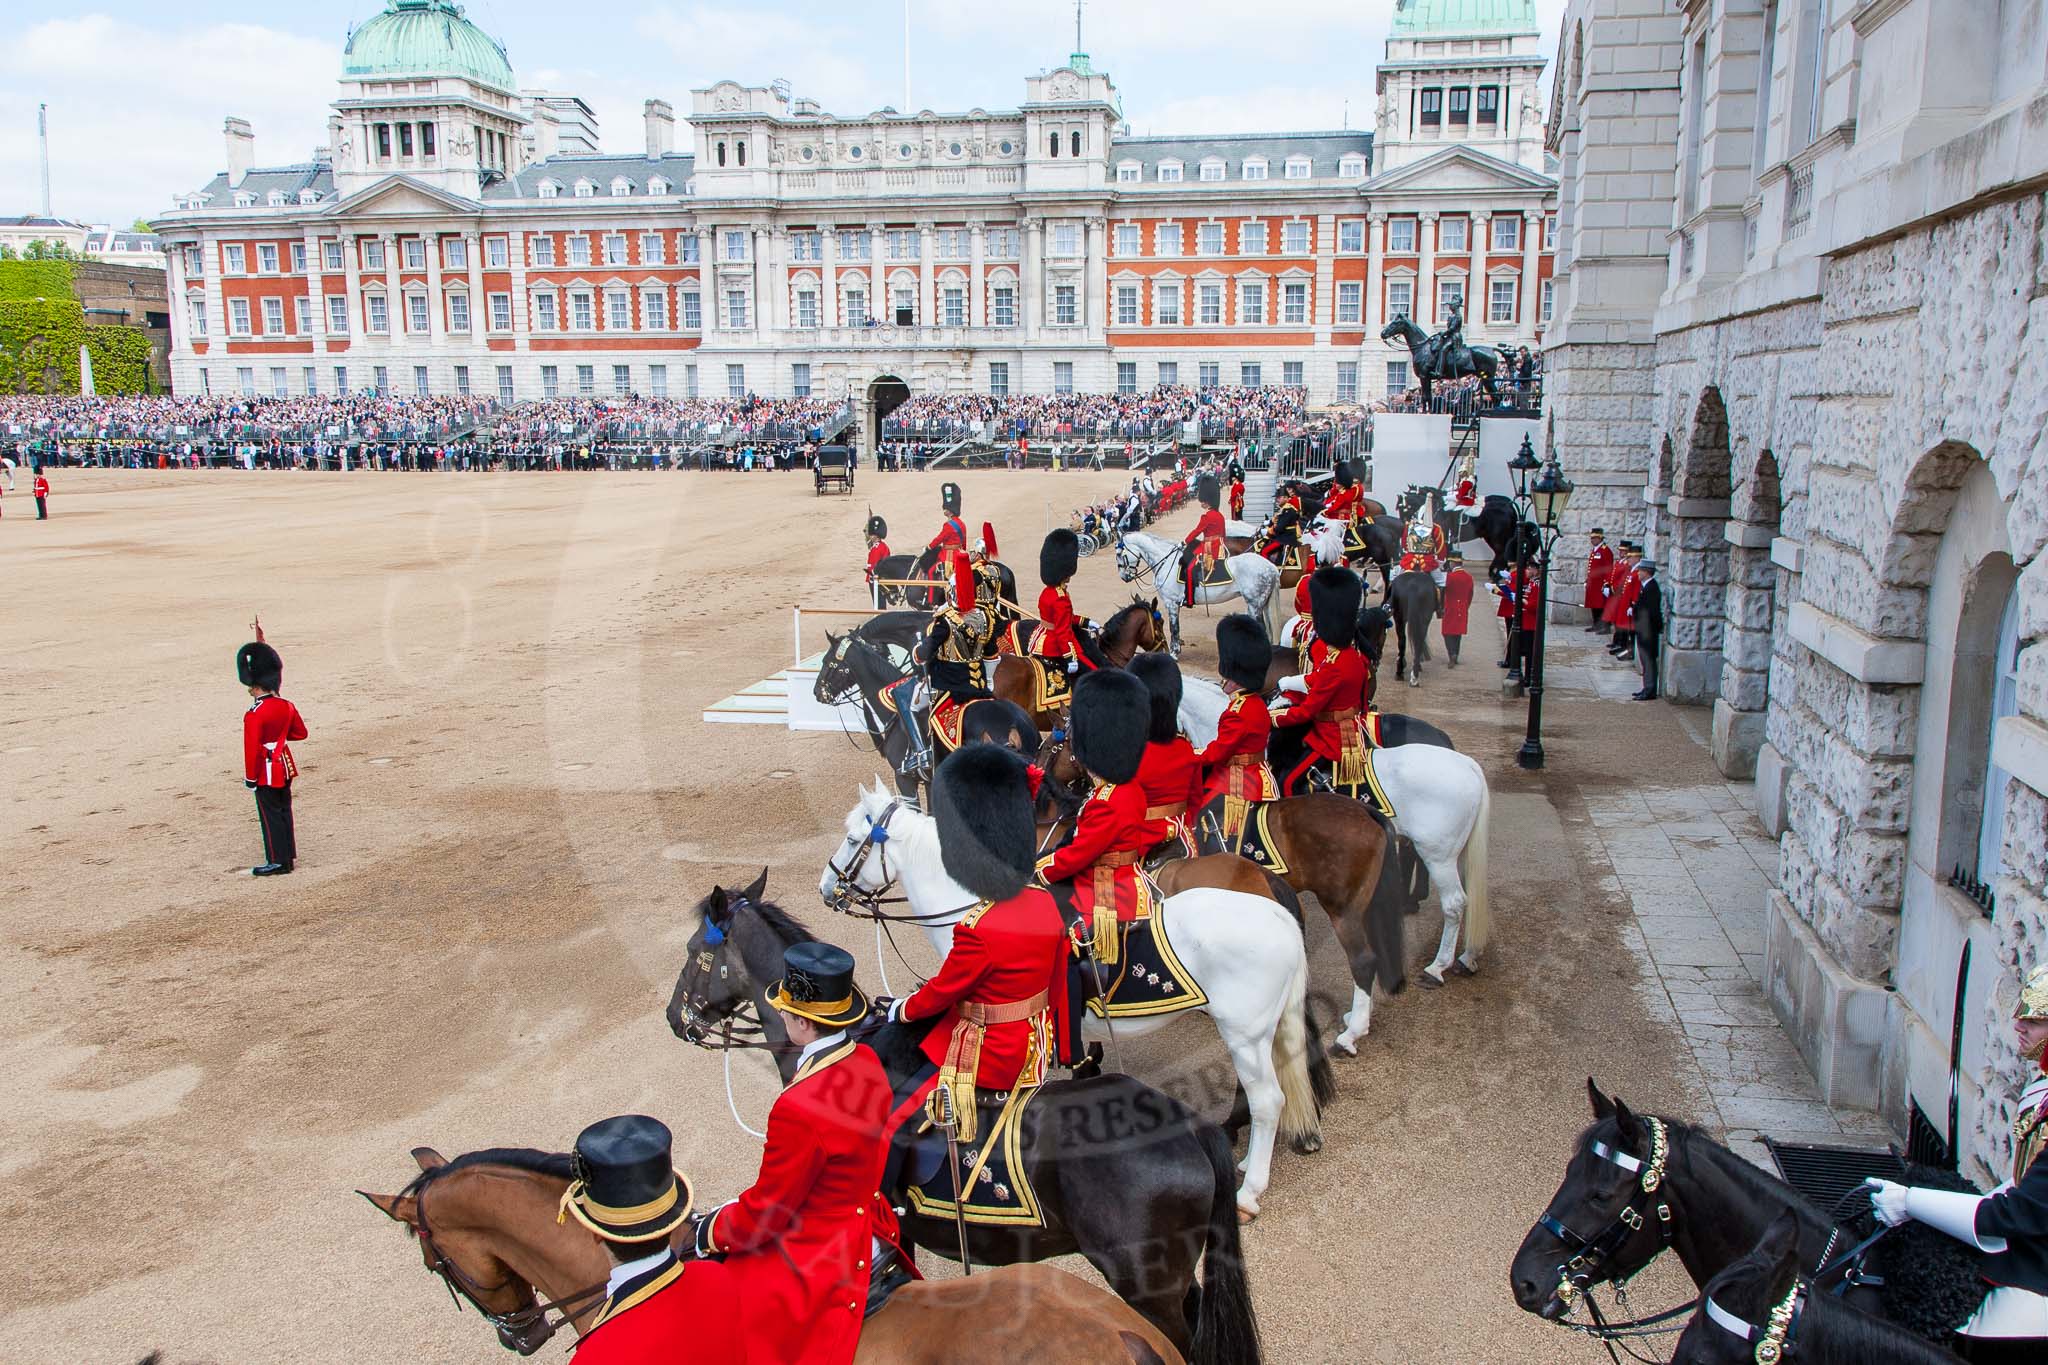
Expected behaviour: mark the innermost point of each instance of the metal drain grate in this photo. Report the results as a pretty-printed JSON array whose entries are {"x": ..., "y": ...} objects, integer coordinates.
[{"x": 1825, "y": 1175}]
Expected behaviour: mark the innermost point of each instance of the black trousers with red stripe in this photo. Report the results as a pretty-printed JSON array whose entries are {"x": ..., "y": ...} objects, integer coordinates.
[{"x": 274, "y": 813}]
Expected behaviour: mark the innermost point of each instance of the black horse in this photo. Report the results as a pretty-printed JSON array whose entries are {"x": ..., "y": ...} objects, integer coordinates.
[
  {"x": 864, "y": 670},
  {"x": 1638, "y": 1184},
  {"x": 1823, "y": 1331},
  {"x": 1127, "y": 1176},
  {"x": 1430, "y": 368},
  {"x": 1416, "y": 602}
]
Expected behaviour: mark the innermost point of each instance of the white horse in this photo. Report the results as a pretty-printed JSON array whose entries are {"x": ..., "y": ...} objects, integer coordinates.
[
  {"x": 1245, "y": 952},
  {"x": 1441, "y": 803},
  {"x": 1252, "y": 577}
]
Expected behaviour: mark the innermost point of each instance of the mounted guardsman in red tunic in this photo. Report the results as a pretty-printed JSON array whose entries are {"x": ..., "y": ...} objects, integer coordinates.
[
  {"x": 1202, "y": 548},
  {"x": 1234, "y": 765},
  {"x": 1346, "y": 498},
  {"x": 950, "y": 544},
  {"x": 800, "y": 1244},
  {"x": 1169, "y": 773},
  {"x": 1098, "y": 866},
  {"x": 1062, "y": 641},
  {"x": 1280, "y": 537},
  {"x": 628, "y": 1193},
  {"x": 1322, "y": 730},
  {"x": 1001, "y": 995},
  {"x": 878, "y": 547}
]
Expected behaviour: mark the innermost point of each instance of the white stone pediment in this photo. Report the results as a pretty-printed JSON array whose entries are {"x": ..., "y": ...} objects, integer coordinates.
[
  {"x": 400, "y": 196},
  {"x": 1459, "y": 168}
]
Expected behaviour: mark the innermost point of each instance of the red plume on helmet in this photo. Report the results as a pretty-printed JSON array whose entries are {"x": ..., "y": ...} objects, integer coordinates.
[{"x": 988, "y": 539}]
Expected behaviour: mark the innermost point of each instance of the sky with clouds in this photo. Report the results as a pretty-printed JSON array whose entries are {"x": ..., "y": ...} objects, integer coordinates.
[{"x": 137, "y": 91}]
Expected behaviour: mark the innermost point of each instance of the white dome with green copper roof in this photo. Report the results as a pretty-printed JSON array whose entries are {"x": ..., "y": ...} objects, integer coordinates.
[
  {"x": 1458, "y": 18},
  {"x": 425, "y": 38}
]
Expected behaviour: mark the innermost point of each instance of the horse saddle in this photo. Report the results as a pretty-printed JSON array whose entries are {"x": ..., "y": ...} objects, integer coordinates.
[
  {"x": 1372, "y": 793},
  {"x": 1211, "y": 571},
  {"x": 1147, "y": 979},
  {"x": 996, "y": 1185},
  {"x": 1257, "y": 844},
  {"x": 948, "y": 716},
  {"x": 1052, "y": 687},
  {"x": 1016, "y": 637}
]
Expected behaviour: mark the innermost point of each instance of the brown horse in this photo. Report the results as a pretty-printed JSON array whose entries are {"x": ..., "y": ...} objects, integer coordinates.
[{"x": 496, "y": 1239}]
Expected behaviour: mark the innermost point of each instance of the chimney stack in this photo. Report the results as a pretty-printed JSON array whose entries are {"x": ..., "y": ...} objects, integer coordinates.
[
  {"x": 241, "y": 143},
  {"x": 661, "y": 129}
]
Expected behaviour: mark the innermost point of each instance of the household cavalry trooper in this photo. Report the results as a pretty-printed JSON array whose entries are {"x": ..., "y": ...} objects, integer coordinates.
[
  {"x": 1169, "y": 773},
  {"x": 954, "y": 653},
  {"x": 950, "y": 543},
  {"x": 1063, "y": 639},
  {"x": 1234, "y": 765},
  {"x": 1001, "y": 994},
  {"x": 1422, "y": 544},
  {"x": 1107, "y": 728},
  {"x": 1465, "y": 493},
  {"x": 2009, "y": 1225},
  {"x": 269, "y": 727},
  {"x": 1322, "y": 730},
  {"x": 802, "y": 1245},
  {"x": 878, "y": 546},
  {"x": 1203, "y": 546}
]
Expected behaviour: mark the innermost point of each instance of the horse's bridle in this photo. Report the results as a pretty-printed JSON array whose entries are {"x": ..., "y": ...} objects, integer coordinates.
[
  {"x": 1145, "y": 566},
  {"x": 516, "y": 1323},
  {"x": 740, "y": 1028},
  {"x": 1644, "y": 1204},
  {"x": 847, "y": 893},
  {"x": 1773, "y": 1337}
]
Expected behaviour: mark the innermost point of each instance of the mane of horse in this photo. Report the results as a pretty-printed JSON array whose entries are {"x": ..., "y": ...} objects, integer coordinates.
[
  {"x": 1830, "y": 1332},
  {"x": 1122, "y": 614},
  {"x": 559, "y": 1165}
]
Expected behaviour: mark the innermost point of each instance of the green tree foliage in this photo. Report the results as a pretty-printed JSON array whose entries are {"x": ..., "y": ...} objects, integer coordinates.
[
  {"x": 35, "y": 278},
  {"x": 42, "y": 325}
]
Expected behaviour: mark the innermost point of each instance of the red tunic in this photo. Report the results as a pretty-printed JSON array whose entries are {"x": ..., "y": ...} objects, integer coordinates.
[
  {"x": 877, "y": 552},
  {"x": 1457, "y": 601},
  {"x": 1532, "y": 602},
  {"x": 1237, "y": 499},
  {"x": 1003, "y": 953},
  {"x": 1599, "y": 564},
  {"x": 1342, "y": 504},
  {"x": 951, "y": 544},
  {"x": 799, "y": 1241},
  {"x": 42, "y": 487},
  {"x": 1467, "y": 495},
  {"x": 1241, "y": 733},
  {"x": 1056, "y": 635},
  {"x": 650, "y": 1319},
  {"x": 1334, "y": 703},
  {"x": 1625, "y": 612},
  {"x": 1303, "y": 604},
  {"x": 1171, "y": 777},
  {"x": 1509, "y": 587},
  {"x": 267, "y": 727},
  {"x": 1111, "y": 829},
  {"x": 1207, "y": 537}
]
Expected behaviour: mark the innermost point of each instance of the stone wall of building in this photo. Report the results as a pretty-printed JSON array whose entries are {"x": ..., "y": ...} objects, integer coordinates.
[{"x": 139, "y": 294}]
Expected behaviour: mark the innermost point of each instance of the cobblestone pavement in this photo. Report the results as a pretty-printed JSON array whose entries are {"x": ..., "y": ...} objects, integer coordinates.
[{"x": 1696, "y": 867}]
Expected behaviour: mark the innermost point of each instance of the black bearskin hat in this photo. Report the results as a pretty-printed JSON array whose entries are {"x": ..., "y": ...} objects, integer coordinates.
[
  {"x": 1334, "y": 596},
  {"x": 1205, "y": 490},
  {"x": 1342, "y": 476},
  {"x": 1243, "y": 651},
  {"x": 1059, "y": 557},
  {"x": 1111, "y": 716},
  {"x": 258, "y": 665},
  {"x": 981, "y": 797},
  {"x": 877, "y": 528},
  {"x": 1161, "y": 676},
  {"x": 949, "y": 499}
]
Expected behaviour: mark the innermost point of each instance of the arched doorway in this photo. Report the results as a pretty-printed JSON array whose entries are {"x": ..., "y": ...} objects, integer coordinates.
[
  {"x": 1749, "y": 619},
  {"x": 1696, "y": 561},
  {"x": 885, "y": 394}
]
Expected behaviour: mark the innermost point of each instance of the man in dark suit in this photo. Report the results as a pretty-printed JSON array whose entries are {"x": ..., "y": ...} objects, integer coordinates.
[{"x": 1649, "y": 626}]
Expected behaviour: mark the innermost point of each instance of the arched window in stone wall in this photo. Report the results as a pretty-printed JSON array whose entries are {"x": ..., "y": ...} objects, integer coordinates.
[{"x": 1750, "y": 618}]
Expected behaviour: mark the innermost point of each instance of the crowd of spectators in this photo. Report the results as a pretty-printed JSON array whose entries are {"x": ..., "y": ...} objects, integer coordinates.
[{"x": 1224, "y": 413}]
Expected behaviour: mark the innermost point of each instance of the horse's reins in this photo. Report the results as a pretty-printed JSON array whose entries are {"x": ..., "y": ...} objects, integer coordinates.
[
  {"x": 518, "y": 1320},
  {"x": 846, "y": 891}
]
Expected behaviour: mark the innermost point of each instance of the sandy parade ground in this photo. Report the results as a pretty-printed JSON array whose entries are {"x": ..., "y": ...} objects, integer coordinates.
[{"x": 509, "y": 804}]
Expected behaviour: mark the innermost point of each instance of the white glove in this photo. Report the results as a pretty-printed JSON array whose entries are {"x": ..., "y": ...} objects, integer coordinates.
[
  {"x": 1073, "y": 666},
  {"x": 1887, "y": 1201},
  {"x": 1294, "y": 682},
  {"x": 895, "y": 1011}
]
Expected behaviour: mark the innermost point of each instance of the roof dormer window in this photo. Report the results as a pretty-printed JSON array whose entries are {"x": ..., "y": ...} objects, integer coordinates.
[
  {"x": 1255, "y": 168},
  {"x": 275, "y": 199},
  {"x": 1169, "y": 172},
  {"x": 586, "y": 190},
  {"x": 621, "y": 187},
  {"x": 1129, "y": 172},
  {"x": 1297, "y": 168},
  {"x": 548, "y": 189},
  {"x": 1351, "y": 166},
  {"x": 1212, "y": 168},
  {"x": 657, "y": 186},
  {"x": 245, "y": 199},
  {"x": 309, "y": 196}
]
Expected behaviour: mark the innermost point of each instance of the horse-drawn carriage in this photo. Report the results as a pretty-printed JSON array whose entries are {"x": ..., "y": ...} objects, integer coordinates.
[{"x": 834, "y": 469}]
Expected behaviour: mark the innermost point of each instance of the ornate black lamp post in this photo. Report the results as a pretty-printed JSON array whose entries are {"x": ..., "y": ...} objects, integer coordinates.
[
  {"x": 1520, "y": 468},
  {"x": 1547, "y": 499}
]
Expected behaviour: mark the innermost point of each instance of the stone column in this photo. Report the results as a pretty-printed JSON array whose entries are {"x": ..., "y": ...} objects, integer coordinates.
[
  {"x": 515, "y": 256},
  {"x": 877, "y": 290},
  {"x": 828, "y": 273},
  {"x": 1532, "y": 262},
  {"x": 1324, "y": 248},
  {"x": 1375, "y": 275},
  {"x": 479, "y": 306},
  {"x": 1033, "y": 285},
  {"x": 778, "y": 317},
  {"x": 1740, "y": 708},
  {"x": 1477, "y": 315},
  {"x": 394, "y": 301},
  {"x": 437, "y": 306},
  {"x": 180, "y": 306},
  {"x": 216, "y": 298},
  {"x": 977, "y": 274},
  {"x": 352, "y": 283},
  {"x": 764, "y": 278},
  {"x": 1096, "y": 316},
  {"x": 1425, "y": 279},
  {"x": 927, "y": 314}
]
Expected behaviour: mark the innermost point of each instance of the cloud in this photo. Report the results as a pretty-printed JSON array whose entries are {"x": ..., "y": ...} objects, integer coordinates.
[
  {"x": 821, "y": 60},
  {"x": 136, "y": 109}
]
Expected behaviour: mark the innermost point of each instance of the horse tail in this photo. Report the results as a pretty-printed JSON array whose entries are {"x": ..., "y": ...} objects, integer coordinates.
[
  {"x": 1299, "y": 1116},
  {"x": 1386, "y": 915},
  {"x": 1226, "y": 1327},
  {"x": 1472, "y": 871}
]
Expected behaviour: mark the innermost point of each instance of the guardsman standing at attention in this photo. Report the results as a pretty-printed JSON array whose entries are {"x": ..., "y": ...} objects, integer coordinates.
[
  {"x": 1111, "y": 716},
  {"x": 801, "y": 1244},
  {"x": 951, "y": 541},
  {"x": 1323, "y": 729},
  {"x": 1002, "y": 990},
  {"x": 878, "y": 548},
  {"x": 1061, "y": 639},
  {"x": 1170, "y": 773},
  {"x": 42, "y": 492},
  {"x": 1203, "y": 546},
  {"x": 268, "y": 728},
  {"x": 1599, "y": 566},
  {"x": 1236, "y": 492},
  {"x": 1234, "y": 765},
  {"x": 629, "y": 1194}
]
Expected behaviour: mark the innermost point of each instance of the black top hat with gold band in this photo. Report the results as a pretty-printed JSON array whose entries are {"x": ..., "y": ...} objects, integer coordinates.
[
  {"x": 258, "y": 665},
  {"x": 627, "y": 1188},
  {"x": 817, "y": 984}
]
